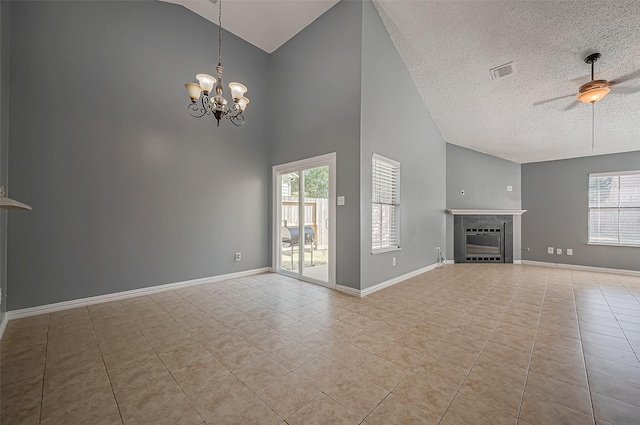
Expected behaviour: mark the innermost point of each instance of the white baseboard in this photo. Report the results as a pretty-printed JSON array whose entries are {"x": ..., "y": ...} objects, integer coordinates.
[
  {"x": 348, "y": 290},
  {"x": 50, "y": 308},
  {"x": 371, "y": 289},
  {"x": 453, "y": 262},
  {"x": 391, "y": 282},
  {"x": 583, "y": 268},
  {"x": 3, "y": 325}
]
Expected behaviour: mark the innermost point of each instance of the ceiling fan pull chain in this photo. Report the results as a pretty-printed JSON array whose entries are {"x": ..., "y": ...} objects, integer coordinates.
[{"x": 593, "y": 125}]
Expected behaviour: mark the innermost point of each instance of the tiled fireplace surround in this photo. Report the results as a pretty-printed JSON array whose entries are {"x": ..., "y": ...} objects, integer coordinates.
[
  {"x": 509, "y": 219},
  {"x": 463, "y": 222}
]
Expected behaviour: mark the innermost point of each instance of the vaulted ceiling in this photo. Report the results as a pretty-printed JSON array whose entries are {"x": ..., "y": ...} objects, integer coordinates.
[
  {"x": 266, "y": 24},
  {"x": 449, "y": 47}
]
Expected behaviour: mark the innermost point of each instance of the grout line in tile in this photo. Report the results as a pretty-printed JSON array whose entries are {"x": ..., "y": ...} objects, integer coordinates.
[
  {"x": 105, "y": 364},
  {"x": 584, "y": 355},
  {"x": 44, "y": 372},
  {"x": 524, "y": 388}
]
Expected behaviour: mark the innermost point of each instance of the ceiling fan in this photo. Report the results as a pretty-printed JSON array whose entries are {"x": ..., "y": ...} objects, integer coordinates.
[{"x": 595, "y": 90}]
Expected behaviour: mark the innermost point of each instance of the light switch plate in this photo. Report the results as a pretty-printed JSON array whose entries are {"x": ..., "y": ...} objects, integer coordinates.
[
  {"x": 340, "y": 200},
  {"x": 569, "y": 251},
  {"x": 509, "y": 188}
]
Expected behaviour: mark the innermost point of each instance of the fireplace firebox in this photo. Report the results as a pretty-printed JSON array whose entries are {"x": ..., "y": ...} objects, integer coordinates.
[{"x": 483, "y": 239}]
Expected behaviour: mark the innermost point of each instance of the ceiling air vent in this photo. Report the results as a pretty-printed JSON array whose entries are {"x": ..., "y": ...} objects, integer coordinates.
[{"x": 503, "y": 70}]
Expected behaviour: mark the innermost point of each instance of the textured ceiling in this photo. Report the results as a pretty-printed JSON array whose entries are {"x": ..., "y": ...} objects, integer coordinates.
[
  {"x": 450, "y": 46},
  {"x": 266, "y": 24}
]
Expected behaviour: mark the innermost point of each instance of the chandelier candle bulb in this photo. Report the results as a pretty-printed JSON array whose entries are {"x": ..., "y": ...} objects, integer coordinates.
[
  {"x": 206, "y": 82},
  {"x": 193, "y": 90},
  {"x": 243, "y": 102},
  {"x": 237, "y": 90}
]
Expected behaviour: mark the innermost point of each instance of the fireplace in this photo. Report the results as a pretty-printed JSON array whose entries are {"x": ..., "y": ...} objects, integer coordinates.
[
  {"x": 484, "y": 244},
  {"x": 483, "y": 239}
]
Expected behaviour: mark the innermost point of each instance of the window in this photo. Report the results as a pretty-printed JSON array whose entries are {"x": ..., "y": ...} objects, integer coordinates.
[
  {"x": 385, "y": 224},
  {"x": 614, "y": 208}
]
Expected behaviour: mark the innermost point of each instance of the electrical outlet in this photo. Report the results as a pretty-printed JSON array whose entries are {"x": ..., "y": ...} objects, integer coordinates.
[
  {"x": 559, "y": 251},
  {"x": 394, "y": 261},
  {"x": 238, "y": 256},
  {"x": 569, "y": 251},
  {"x": 550, "y": 250}
]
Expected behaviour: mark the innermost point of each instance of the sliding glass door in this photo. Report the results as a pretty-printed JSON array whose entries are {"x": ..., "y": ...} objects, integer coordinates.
[{"x": 303, "y": 213}]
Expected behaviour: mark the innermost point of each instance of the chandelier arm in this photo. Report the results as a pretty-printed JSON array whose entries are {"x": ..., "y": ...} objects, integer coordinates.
[
  {"x": 235, "y": 110},
  {"x": 196, "y": 110},
  {"x": 206, "y": 104},
  {"x": 236, "y": 120},
  {"x": 205, "y": 107}
]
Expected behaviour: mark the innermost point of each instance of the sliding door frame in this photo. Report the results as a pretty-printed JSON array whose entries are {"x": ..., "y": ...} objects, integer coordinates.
[{"x": 318, "y": 161}]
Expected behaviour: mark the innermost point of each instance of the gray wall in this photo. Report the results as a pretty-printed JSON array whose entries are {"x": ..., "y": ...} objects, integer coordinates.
[
  {"x": 315, "y": 84},
  {"x": 484, "y": 178},
  {"x": 400, "y": 128},
  {"x": 4, "y": 144},
  {"x": 555, "y": 193},
  {"x": 128, "y": 190}
]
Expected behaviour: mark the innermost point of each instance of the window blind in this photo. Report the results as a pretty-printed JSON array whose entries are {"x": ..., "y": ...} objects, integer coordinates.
[
  {"x": 385, "y": 229},
  {"x": 614, "y": 208}
]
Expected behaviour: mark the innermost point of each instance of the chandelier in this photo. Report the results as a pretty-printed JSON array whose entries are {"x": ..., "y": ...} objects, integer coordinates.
[{"x": 200, "y": 93}]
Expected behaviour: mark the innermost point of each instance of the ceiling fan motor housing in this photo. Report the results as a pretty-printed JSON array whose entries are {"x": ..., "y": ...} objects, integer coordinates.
[{"x": 594, "y": 84}]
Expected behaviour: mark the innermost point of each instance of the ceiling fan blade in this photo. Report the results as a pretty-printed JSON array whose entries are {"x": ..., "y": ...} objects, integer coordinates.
[
  {"x": 572, "y": 105},
  {"x": 552, "y": 100},
  {"x": 624, "y": 90},
  {"x": 630, "y": 76}
]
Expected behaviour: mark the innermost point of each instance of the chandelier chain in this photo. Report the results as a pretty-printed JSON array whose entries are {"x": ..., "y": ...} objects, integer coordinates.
[{"x": 219, "y": 32}]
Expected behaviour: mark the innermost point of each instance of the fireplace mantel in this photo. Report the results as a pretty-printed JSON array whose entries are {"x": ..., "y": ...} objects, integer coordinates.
[{"x": 486, "y": 212}]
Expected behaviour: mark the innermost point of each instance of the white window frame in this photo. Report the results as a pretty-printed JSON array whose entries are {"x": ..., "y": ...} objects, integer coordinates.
[
  {"x": 619, "y": 208},
  {"x": 396, "y": 204}
]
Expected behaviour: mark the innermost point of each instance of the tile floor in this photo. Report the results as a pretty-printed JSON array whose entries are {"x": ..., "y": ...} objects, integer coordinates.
[{"x": 467, "y": 344}]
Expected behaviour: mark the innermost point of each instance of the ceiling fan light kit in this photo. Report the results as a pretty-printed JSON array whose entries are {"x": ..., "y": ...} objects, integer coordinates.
[
  {"x": 593, "y": 95},
  {"x": 594, "y": 90},
  {"x": 199, "y": 93}
]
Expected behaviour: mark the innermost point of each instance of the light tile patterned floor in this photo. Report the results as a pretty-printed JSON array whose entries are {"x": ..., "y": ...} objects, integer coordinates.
[{"x": 467, "y": 344}]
